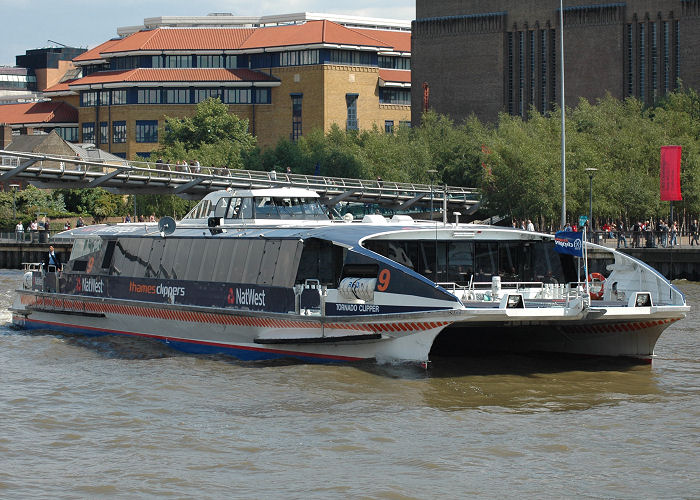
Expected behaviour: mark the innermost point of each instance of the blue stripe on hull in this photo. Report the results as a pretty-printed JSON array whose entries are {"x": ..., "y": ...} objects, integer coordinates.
[{"x": 243, "y": 353}]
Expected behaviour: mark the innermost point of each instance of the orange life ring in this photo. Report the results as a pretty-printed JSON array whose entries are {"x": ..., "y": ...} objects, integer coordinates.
[{"x": 596, "y": 284}]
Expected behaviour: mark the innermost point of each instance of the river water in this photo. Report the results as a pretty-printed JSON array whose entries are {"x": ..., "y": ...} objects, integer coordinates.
[{"x": 115, "y": 417}]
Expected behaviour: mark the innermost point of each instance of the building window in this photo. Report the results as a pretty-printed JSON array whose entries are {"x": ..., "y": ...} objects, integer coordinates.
[
  {"x": 394, "y": 62},
  {"x": 350, "y": 57},
  {"x": 351, "y": 103},
  {"x": 395, "y": 96},
  {"x": 298, "y": 57},
  {"x": 204, "y": 94},
  {"x": 178, "y": 61},
  {"x": 544, "y": 105},
  {"x": 630, "y": 60},
  {"x": 177, "y": 96},
  {"x": 510, "y": 73},
  {"x": 128, "y": 62},
  {"x": 389, "y": 126},
  {"x": 667, "y": 59},
  {"x": 89, "y": 132},
  {"x": 231, "y": 62},
  {"x": 237, "y": 96},
  {"x": 553, "y": 66},
  {"x": 404, "y": 124},
  {"x": 104, "y": 132},
  {"x": 678, "y": 53},
  {"x": 88, "y": 98},
  {"x": 119, "y": 132},
  {"x": 654, "y": 62},
  {"x": 262, "y": 96},
  {"x": 146, "y": 130},
  {"x": 210, "y": 61},
  {"x": 104, "y": 97},
  {"x": 148, "y": 96},
  {"x": 156, "y": 61},
  {"x": 69, "y": 134},
  {"x": 532, "y": 73},
  {"x": 120, "y": 155},
  {"x": 296, "y": 116},
  {"x": 521, "y": 73},
  {"x": 118, "y": 97},
  {"x": 642, "y": 62}
]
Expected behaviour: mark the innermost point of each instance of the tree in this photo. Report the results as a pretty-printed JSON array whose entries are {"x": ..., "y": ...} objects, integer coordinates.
[{"x": 213, "y": 136}]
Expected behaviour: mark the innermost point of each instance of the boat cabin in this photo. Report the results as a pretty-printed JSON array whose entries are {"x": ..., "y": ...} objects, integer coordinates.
[{"x": 246, "y": 206}]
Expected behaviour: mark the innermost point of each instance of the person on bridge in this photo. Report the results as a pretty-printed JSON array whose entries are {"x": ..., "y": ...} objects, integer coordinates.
[
  {"x": 79, "y": 222},
  {"x": 694, "y": 233},
  {"x": 19, "y": 230}
]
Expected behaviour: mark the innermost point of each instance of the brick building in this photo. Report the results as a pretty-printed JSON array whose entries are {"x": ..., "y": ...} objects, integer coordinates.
[
  {"x": 286, "y": 74},
  {"x": 491, "y": 56}
]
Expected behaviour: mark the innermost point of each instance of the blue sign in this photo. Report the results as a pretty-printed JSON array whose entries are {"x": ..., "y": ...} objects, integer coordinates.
[{"x": 569, "y": 242}]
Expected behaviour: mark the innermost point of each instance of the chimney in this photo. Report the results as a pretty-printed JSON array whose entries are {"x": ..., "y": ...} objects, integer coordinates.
[{"x": 5, "y": 135}]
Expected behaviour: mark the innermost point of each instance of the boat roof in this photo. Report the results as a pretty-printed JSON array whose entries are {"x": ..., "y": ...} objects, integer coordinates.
[
  {"x": 343, "y": 233},
  {"x": 280, "y": 192}
]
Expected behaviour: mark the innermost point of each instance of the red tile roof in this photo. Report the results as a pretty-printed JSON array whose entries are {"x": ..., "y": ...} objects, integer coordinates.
[
  {"x": 175, "y": 75},
  {"x": 395, "y": 75},
  {"x": 190, "y": 39},
  {"x": 38, "y": 112},
  {"x": 182, "y": 39},
  {"x": 94, "y": 53},
  {"x": 399, "y": 40},
  {"x": 312, "y": 32},
  {"x": 61, "y": 87}
]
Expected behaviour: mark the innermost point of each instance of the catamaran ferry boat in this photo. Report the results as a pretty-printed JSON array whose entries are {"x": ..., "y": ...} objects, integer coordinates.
[{"x": 264, "y": 274}]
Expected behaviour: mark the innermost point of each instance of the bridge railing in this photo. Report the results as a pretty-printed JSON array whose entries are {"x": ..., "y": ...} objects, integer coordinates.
[{"x": 140, "y": 174}]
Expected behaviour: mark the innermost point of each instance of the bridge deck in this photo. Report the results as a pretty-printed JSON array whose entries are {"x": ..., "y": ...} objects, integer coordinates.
[{"x": 52, "y": 171}]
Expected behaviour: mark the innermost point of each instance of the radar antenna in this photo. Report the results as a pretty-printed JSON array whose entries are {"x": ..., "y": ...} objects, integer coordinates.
[{"x": 166, "y": 225}]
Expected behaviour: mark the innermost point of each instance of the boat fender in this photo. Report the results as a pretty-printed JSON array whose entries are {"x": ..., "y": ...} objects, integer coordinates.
[{"x": 596, "y": 285}]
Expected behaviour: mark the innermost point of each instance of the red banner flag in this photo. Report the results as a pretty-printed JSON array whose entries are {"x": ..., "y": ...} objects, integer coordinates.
[{"x": 671, "y": 173}]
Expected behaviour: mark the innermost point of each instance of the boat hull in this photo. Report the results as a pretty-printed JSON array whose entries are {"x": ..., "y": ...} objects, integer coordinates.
[
  {"x": 633, "y": 338},
  {"x": 250, "y": 335},
  {"x": 243, "y": 334}
]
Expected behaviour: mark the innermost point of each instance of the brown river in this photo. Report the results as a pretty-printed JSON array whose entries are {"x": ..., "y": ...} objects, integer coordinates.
[{"x": 113, "y": 417}]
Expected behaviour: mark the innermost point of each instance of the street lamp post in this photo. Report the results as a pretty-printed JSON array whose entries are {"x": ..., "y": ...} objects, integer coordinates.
[
  {"x": 432, "y": 173},
  {"x": 591, "y": 172},
  {"x": 14, "y": 205}
]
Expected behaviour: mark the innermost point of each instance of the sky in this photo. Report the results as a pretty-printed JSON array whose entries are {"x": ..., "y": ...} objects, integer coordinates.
[{"x": 30, "y": 24}]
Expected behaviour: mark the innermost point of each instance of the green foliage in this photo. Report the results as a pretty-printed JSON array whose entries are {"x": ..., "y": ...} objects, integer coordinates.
[
  {"x": 213, "y": 136},
  {"x": 160, "y": 205},
  {"x": 28, "y": 202},
  {"x": 96, "y": 202}
]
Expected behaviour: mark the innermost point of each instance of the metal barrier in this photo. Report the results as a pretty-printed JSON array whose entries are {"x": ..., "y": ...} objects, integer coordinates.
[{"x": 54, "y": 171}]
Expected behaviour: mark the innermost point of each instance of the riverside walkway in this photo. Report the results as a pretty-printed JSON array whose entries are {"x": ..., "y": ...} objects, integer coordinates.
[{"x": 128, "y": 177}]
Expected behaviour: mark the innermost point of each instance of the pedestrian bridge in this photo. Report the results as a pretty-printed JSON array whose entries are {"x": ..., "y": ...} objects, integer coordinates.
[{"x": 133, "y": 177}]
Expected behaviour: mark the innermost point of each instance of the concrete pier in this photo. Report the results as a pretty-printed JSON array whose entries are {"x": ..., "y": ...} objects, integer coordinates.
[
  {"x": 674, "y": 263},
  {"x": 13, "y": 255}
]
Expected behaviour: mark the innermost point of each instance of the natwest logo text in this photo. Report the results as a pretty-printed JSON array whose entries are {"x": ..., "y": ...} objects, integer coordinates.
[
  {"x": 246, "y": 297},
  {"x": 91, "y": 285}
]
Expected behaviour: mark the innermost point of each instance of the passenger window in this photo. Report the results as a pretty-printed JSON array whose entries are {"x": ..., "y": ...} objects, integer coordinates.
[
  {"x": 234, "y": 209},
  {"x": 221, "y": 207},
  {"x": 246, "y": 209},
  {"x": 182, "y": 257},
  {"x": 210, "y": 256},
  {"x": 196, "y": 262}
]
